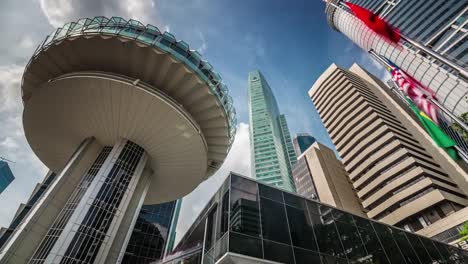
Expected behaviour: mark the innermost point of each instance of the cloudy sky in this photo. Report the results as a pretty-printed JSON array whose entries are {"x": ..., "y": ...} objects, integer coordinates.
[{"x": 289, "y": 41}]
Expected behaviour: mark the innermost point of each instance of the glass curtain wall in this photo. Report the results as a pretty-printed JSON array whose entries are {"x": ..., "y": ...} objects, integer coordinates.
[{"x": 267, "y": 223}]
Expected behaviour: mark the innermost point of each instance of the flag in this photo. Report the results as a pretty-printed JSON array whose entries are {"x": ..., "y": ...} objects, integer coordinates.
[
  {"x": 374, "y": 22},
  {"x": 438, "y": 135},
  {"x": 419, "y": 94}
]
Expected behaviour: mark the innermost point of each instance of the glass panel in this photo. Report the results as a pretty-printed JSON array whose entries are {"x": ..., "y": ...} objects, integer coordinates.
[
  {"x": 351, "y": 241},
  {"x": 244, "y": 184},
  {"x": 274, "y": 225},
  {"x": 419, "y": 248},
  {"x": 301, "y": 227},
  {"x": 385, "y": 235},
  {"x": 405, "y": 247},
  {"x": 270, "y": 193},
  {"x": 245, "y": 245},
  {"x": 433, "y": 252},
  {"x": 326, "y": 259},
  {"x": 443, "y": 250},
  {"x": 245, "y": 214},
  {"x": 306, "y": 256},
  {"x": 362, "y": 222},
  {"x": 313, "y": 207},
  {"x": 225, "y": 213},
  {"x": 293, "y": 200},
  {"x": 342, "y": 216},
  {"x": 373, "y": 246},
  {"x": 278, "y": 252},
  {"x": 327, "y": 237}
]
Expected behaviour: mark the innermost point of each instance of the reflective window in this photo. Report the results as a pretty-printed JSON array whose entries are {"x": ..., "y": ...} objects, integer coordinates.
[
  {"x": 433, "y": 252},
  {"x": 245, "y": 214},
  {"x": 421, "y": 251},
  {"x": 351, "y": 241},
  {"x": 271, "y": 193},
  {"x": 245, "y": 245},
  {"x": 405, "y": 247},
  {"x": 278, "y": 252},
  {"x": 293, "y": 200},
  {"x": 385, "y": 235},
  {"x": 306, "y": 256},
  {"x": 301, "y": 227},
  {"x": 274, "y": 223}
]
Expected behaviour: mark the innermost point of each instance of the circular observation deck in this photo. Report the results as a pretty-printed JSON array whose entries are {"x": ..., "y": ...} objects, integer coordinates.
[{"x": 113, "y": 78}]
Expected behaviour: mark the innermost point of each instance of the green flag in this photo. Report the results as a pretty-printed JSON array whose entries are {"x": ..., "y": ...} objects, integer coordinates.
[{"x": 438, "y": 135}]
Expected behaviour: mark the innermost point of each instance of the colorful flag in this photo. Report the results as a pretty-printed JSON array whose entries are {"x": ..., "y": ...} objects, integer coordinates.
[
  {"x": 438, "y": 135},
  {"x": 419, "y": 94},
  {"x": 374, "y": 22}
]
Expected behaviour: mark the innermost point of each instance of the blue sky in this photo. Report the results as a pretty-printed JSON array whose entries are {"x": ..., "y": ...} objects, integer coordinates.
[{"x": 289, "y": 41}]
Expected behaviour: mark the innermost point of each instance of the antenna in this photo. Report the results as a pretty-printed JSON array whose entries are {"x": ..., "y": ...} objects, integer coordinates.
[{"x": 7, "y": 160}]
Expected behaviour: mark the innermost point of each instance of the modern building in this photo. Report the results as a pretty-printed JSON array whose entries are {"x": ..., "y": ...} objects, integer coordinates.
[
  {"x": 150, "y": 235},
  {"x": 302, "y": 142},
  {"x": 438, "y": 25},
  {"x": 6, "y": 176},
  {"x": 319, "y": 175},
  {"x": 173, "y": 229},
  {"x": 270, "y": 141},
  {"x": 401, "y": 176},
  {"x": 24, "y": 209},
  {"x": 284, "y": 227},
  {"x": 128, "y": 116}
]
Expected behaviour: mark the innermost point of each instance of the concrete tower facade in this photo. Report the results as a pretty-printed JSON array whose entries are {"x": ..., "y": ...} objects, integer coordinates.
[
  {"x": 127, "y": 116},
  {"x": 270, "y": 141},
  {"x": 449, "y": 85},
  {"x": 401, "y": 177}
]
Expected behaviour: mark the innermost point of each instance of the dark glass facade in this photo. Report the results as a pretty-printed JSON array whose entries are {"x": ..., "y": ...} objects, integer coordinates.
[
  {"x": 302, "y": 142},
  {"x": 269, "y": 224},
  {"x": 150, "y": 234},
  {"x": 6, "y": 176}
]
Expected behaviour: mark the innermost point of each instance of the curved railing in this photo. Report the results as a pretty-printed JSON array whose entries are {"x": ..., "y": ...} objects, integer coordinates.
[{"x": 149, "y": 35}]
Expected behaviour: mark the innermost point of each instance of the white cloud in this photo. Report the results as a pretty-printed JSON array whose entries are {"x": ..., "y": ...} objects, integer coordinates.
[
  {"x": 10, "y": 92},
  {"x": 204, "y": 45},
  {"x": 59, "y": 12},
  {"x": 238, "y": 160}
]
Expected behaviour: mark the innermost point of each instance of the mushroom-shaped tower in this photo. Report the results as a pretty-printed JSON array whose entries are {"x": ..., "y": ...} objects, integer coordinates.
[{"x": 126, "y": 115}]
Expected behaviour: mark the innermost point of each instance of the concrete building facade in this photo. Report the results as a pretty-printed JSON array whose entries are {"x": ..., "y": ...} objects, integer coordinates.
[
  {"x": 325, "y": 178},
  {"x": 270, "y": 141},
  {"x": 401, "y": 177}
]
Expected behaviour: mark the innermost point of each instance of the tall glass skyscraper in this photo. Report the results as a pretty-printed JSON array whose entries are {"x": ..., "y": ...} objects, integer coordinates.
[
  {"x": 6, "y": 176},
  {"x": 271, "y": 147}
]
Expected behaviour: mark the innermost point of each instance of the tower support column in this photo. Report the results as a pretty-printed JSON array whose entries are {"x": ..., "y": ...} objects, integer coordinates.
[{"x": 88, "y": 223}]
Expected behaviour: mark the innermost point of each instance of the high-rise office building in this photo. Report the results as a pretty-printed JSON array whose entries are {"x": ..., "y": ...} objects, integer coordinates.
[
  {"x": 401, "y": 176},
  {"x": 318, "y": 174},
  {"x": 270, "y": 141},
  {"x": 302, "y": 142},
  {"x": 438, "y": 24},
  {"x": 282, "y": 227},
  {"x": 6, "y": 176},
  {"x": 127, "y": 116}
]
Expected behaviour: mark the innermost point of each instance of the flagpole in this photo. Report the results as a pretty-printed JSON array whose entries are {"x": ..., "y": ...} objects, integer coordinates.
[
  {"x": 427, "y": 50},
  {"x": 441, "y": 107}
]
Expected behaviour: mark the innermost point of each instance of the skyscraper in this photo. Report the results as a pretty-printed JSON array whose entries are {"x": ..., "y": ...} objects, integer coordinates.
[
  {"x": 282, "y": 227},
  {"x": 270, "y": 141},
  {"x": 318, "y": 174},
  {"x": 6, "y": 176},
  {"x": 429, "y": 22},
  {"x": 438, "y": 24},
  {"x": 127, "y": 116},
  {"x": 401, "y": 176},
  {"x": 302, "y": 142}
]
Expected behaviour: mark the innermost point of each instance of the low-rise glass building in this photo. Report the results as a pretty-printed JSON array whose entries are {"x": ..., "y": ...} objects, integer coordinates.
[{"x": 249, "y": 222}]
